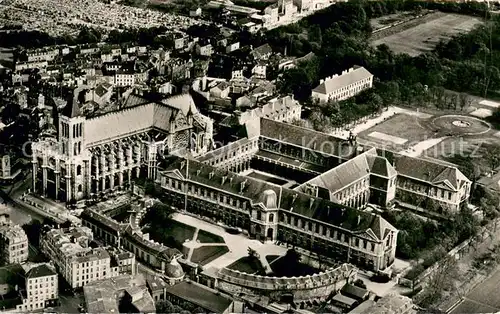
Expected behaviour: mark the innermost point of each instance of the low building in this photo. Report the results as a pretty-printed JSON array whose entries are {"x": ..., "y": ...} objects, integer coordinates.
[
  {"x": 122, "y": 294},
  {"x": 392, "y": 304},
  {"x": 42, "y": 288},
  {"x": 344, "y": 86},
  {"x": 13, "y": 242},
  {"x": 157, "y": 287},
  {"x": 190, "y": 294}
]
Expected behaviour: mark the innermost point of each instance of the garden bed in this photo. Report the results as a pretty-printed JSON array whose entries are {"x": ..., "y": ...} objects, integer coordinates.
[
  {"x": 207, "y": 237},
  {"x": 173, "y": 234},
  {"x": 205, "y": 254},
  {"x": 247, "y": 264},
  {"x": 283, "y": 267}
]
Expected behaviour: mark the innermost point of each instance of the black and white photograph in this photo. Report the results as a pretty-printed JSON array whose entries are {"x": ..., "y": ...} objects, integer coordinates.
[{"x": 250, "y": 156}]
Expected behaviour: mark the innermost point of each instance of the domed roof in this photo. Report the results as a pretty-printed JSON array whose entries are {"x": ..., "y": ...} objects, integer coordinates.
[
  {"x": 268, "y": 198},
  {"x": 174, "y": 269}
]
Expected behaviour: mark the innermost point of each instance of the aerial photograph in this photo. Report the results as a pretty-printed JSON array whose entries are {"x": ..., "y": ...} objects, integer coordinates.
[{"x": 250, "y": 156}]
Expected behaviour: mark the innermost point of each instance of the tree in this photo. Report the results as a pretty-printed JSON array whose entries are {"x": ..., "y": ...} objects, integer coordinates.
[
  {"x": 464, "y": 101},
  {"x": 164, "y": 306}
]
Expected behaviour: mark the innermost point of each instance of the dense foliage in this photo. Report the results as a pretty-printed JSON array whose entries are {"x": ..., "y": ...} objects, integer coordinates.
[
  {"x": 339, "y": 36},
  {"x": 439, "y": 237}
]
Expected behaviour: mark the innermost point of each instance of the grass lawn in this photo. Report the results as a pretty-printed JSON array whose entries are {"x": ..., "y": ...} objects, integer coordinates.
[
  {"x": 205, "y": 254},
  {"x": 173, "y": 234},
  {"x": 272, "y": 258},
  {"x": 247, "y": 264},
  {"x": 404, "y": 126},
  {"x": 285, "y": 268},
  {"x": 208, "y": 237}
]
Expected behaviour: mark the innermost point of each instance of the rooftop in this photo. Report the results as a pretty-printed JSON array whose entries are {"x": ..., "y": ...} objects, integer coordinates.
[
  {"x": 103, "y": 296},
  {"x": 348, "y": 77},
  {"x": 202, "y": 296},
  {"x": 42, "y": 270},
  {"x": 287, "y": 199}
]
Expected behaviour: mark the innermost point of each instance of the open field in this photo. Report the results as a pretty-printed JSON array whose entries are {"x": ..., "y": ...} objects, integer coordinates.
[
  {"x": 407, "y": 129},
  {"x": 425, "y": 36},
  {"x": 386, "y": 20},
  {"x": 485, "y": 298}
]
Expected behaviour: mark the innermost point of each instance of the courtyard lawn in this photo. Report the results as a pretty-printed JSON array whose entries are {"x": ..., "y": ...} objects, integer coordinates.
[
  {"x": 205, "y": 254},
  {"x": 247, "y": 264},
  {"x": 208, "y": 237},
  {"x": 284, "y": 267},
  {"x": 173, "y": 234},
  {"x": 271, "y": 258}
]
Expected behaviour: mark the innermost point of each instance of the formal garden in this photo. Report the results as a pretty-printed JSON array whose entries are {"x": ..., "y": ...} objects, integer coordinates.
[{"x": 288, "y": 265}]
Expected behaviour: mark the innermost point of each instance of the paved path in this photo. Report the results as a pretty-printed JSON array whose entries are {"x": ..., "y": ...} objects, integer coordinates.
[
  {"x": 237, "y": 244},
  {"x": 421, "y": 147}
]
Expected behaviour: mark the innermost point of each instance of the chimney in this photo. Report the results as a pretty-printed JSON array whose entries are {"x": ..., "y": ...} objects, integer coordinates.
[
  {"x": 231, "y": 180},
  {"x": 211, "y": 175},
  {"x": 183, "y": 163},
  {"x": 321, "y": 81},
  {"x": 198, "y": 172},
  {"x": 242, "y": 185},
  {"x": 359, "y": 220},
  {"x": 224, "y": 178},
  {"x": 311, "y": 202},
  {"x": 294, "y": 198}
]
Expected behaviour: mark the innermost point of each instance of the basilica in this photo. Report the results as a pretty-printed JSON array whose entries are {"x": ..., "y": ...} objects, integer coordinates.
[{"x": 90, "y": 154}]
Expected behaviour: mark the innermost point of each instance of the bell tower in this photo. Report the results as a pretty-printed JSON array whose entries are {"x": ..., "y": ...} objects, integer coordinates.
[{"x": 73, "y": 174}]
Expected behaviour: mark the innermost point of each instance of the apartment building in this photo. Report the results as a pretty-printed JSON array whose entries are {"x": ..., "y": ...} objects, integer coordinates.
[
  {"x": 13, "y": 242},
  {"x": 344, "y": 86},
  {"x": 42, "y": 289},
  {"x": 75, "y": 260}
]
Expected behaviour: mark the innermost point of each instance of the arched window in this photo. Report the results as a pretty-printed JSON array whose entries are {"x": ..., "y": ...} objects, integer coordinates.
[
  {"x": 271, "y": 217},
  {"x": 78, "y": 170},
  {"x": 79, "y": 188}
]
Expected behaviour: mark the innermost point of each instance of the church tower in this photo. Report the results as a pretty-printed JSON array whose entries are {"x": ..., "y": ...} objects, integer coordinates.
[{"x": 74, "y": 170}]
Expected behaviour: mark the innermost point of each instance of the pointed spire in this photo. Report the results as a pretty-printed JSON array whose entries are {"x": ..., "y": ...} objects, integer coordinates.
[{"x": 72, "y": 108}]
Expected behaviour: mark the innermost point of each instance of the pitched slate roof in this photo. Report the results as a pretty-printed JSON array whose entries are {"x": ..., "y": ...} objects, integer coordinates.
[
  {"x": 72, "y": 108},
  {"x": 341, "y": 176},
  {"x": 40, "y": 271},
  {"x": 380, "y": 166},
  {"x": 336, "y": 82},
  {"x": 261, "y": 51},
  {"x": 202, "y": 296},
  {"x": 430, "y": 171},
  {"x": 306, "y": 138},
  {"x": 286, "y": 199},
  {"x": 138, "y": 115}
]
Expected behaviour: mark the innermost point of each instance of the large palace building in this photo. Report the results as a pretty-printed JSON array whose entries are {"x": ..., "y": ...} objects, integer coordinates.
[
  {"x": 278, "y": 181},
  {"x": 93, "y": 154}
]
